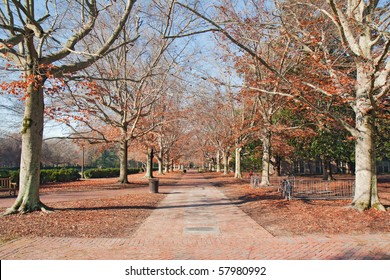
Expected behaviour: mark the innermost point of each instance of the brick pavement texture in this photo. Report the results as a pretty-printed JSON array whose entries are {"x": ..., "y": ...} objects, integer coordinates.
[{"x": 197, "y": 222}]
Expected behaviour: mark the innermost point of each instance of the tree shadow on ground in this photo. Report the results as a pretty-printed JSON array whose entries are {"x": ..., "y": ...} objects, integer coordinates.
[
  {"x": 104, "y": 208},
  {"x": 372, "y": 255},
  {"x": 223, "y": 202},
  {"x": 226, "y": 183},
  {"x": 250, "y": 198}
]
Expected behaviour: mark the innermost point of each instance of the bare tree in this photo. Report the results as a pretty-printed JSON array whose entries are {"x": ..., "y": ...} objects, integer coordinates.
[
  {"x": 121, "y": 91},
  {"x": 10, "y": 146},
  {"x": 112, "y": 108},
  {"x": 43, "y": 42},
  {"x": 61, "y": 152}
]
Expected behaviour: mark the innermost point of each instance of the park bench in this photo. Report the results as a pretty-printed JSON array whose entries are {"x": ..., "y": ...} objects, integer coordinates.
[{"x": 6, "y": 185}]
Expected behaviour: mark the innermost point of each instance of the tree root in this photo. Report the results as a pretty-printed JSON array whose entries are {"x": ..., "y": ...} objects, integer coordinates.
[
  {"x": 359, "y": 208},
  {"x": 362, "y": 206},
  {"x": 10, "y": 211},
  {"x": 123, "y": 182},
  {"x": 25, "y": 208},
  {"x": 379, "y": 207}
]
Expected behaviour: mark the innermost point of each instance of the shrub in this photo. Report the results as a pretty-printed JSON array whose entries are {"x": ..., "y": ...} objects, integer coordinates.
[
  {"x": 14, "y": 174},
  {"x": 107, "y": 172},
  {"x": 46, "y": 176},
  {"x": 8, "y": 173},
  {"x": 59, "y": 175},
  {"x": 4, "y": 173}
]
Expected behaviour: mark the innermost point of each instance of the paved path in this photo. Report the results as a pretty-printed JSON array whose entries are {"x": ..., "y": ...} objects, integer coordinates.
[{"x": 196, "y": 221}]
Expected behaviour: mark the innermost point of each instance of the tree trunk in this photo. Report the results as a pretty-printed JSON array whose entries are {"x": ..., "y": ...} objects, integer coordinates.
[
  {"x": 32, "y": 133},
  {"x": 266, "y": 159},
  {"x": 167, "y": 164},
  {"x": 160, "y": 161},
  {"x": 350, "y": 167},
  {"x": 325, "y": 174},
  {"x": 149, "y": 164},
  {"x": 218, "y": 160},
  {"x": 123, "y": 155},
  {"x": 160, "y": 165},
  {"x": 238, "y": 173},
  {"x": 225, "y": 163},
  {"x": 83, "y": 163},
  {"x": 278, "y": 161},
  {"x": 366, "y": 193},
  {"x": 326, "y": 170}
]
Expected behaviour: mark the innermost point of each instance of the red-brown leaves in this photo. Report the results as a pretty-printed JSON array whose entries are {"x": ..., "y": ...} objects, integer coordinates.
[{"x": 299, "y": 217}]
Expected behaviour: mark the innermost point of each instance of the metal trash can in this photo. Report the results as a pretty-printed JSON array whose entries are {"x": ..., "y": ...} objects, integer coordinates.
[{"x": 153, "y": 185}]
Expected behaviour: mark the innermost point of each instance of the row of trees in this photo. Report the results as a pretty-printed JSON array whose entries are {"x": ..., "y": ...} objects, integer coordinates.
[
  {"x": 114, "y": 73},
  {"x": 98, "y": 66},
  {"x": 43, "y": 43},
  {"x": 328, "y": 57},
  {"x": 63, "y": 153},
  {"x": 55, "y": 153}
]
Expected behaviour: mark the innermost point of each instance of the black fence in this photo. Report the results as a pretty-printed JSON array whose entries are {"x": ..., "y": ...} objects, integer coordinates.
[{"x": 292, "y": 188}]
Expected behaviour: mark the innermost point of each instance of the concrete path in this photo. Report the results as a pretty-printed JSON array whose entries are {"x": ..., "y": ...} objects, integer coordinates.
[{"x": 196, "y": 221}]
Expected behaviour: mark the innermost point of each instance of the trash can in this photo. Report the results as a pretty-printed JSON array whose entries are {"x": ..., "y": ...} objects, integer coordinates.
[{"x": 153, "y": 185}]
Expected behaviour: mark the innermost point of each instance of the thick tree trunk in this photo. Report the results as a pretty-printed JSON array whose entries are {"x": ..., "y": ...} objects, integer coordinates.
[
  {"x": 149, "y": 164},
  {"x": 266, "y": 159},
  {"x": 218, "y": 160},
  {"x": 238, "y": 173},
  {"x": 32, "y": 133},
  {"x": 366, "y": 193},
  {"x": 123, "y": 156}
]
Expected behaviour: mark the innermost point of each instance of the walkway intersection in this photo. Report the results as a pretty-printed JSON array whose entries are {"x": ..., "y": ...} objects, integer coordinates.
[{"x": 196, "y": 221}]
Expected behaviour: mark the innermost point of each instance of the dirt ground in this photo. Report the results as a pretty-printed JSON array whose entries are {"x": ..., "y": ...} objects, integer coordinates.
[{"x": 120, "y": 216}]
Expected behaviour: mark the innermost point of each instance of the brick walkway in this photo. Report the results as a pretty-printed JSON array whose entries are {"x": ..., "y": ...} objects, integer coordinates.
[{"x": 196, "y": 221}]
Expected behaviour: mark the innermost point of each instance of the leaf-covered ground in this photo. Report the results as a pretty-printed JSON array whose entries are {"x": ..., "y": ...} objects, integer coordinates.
[
  {"x": 117, "y": 216},
  {"x": 301, "y": 217},
  {"x": 120, "y": 215}
]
